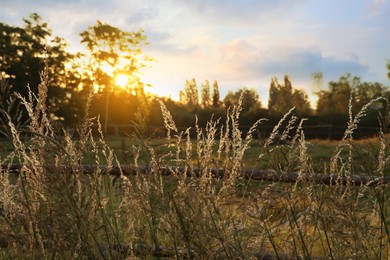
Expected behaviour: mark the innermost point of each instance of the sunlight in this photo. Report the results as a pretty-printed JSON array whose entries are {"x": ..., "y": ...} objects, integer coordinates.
[{"x": 121, "y": 80}]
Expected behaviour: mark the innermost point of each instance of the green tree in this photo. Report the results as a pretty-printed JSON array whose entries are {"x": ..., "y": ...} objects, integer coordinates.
[
  {"x": 190, "y": 95},
  {"x": 205, "y": 94},
  {"x": 251, "y": 105},
  {"x": 116, "y": 52},
  {"x": 24, "y": 53},
  {"x": 364, "y": 92},
  {"x": 333, "y": 104},
  {"x": 215, "y": 95},
  {"x": 283, "y": 97},
  {"x": 79, "y": 86},
  {"x": 183, "y": 97},
  {"x": 250, "y": 99},
  {"x": 318, "y": 79},
  {"x": 301, "y": 102},
  {"x": 335, "y": 100}
]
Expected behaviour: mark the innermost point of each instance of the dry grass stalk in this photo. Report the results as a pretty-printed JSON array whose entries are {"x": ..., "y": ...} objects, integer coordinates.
[{"x": 47, "y": 212}]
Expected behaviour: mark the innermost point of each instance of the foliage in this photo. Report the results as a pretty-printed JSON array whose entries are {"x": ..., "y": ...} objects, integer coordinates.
[
  {"x": 334, "y": 102},
  {"x": 205, "y": 94},
  {"x": 25, "y": 51},
  {"x": 190, "y": 94},
  {"x": 283, "y": 97},
  {"x": 250, "y": 99},
  {"x": 114, "y": 52},
  {"x": 388, "y": 69},
  {"x": 10, "y": 107},
  {"x": 250, "y": 104},
  {"x": 215, "y": 97}
]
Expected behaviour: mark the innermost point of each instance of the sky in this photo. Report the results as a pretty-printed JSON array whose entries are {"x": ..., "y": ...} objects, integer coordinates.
[{"x": 239, "y": 43}]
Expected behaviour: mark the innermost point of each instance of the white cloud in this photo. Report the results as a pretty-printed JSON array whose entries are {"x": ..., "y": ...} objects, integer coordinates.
[{"x": 375, "y": 7}]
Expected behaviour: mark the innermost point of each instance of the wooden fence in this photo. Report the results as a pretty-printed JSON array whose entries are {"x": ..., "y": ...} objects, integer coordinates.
[
  {"x": 311, "y": 131},
  {"x": 255, "y": 175}
]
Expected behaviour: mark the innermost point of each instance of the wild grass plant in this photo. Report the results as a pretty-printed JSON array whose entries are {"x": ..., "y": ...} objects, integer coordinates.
[{"x": 55, "y": 210}]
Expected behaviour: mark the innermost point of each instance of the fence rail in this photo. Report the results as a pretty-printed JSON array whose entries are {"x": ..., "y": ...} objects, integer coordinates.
[
  {"x": 255, "y": 175},
  {"x": 331, "y": 132},
  {"x": 326, "y": 131}
]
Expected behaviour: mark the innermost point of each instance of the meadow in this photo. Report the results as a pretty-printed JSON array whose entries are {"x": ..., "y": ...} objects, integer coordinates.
[{"x": 52, "y": 209}]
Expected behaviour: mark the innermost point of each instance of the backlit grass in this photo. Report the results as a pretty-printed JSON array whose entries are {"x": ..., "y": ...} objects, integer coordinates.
[{"x": 54, "y": 210}]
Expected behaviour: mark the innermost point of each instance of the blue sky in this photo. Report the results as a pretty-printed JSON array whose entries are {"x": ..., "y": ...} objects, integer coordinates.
[{"x": 238, "y": 43}]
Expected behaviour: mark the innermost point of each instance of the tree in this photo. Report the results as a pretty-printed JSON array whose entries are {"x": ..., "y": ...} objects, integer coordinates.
[
  {"x": 205, "y": 94},
  {"x": 300, "y": 101},
  {"x": 388, "y": 69},
  {"x": 335, "y": 100},
  {"x": 115, "y": 52},
  {"x": 283, "y": 97},
  {"x": 79, "y": 86},
  {"x": 183, "y": 97},
  {"x": 250, "y": 99},
  {"x": 190, "y": 95},
  {"x": 318, "y": 79},
  {"x": 251, "y": 105},
  {"x": 26, "y": 51},
  {"x": 215, "y": 97},
  {"x": 364, "y": 92}
]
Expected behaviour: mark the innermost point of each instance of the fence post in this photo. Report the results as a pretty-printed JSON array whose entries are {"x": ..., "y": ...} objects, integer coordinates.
[
  {"x": 330, "y": 132},
  {"x": 125, "y": 152}
]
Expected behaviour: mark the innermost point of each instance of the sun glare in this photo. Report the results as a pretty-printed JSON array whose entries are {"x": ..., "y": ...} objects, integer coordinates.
[{"x": 121, "y": 80}]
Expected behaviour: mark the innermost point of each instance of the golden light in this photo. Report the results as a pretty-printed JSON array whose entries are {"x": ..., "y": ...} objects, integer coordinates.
[{"x": 121, "y": 80}]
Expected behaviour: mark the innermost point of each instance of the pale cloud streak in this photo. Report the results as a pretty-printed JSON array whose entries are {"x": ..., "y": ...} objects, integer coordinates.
[{"x": 375, "y": 7}]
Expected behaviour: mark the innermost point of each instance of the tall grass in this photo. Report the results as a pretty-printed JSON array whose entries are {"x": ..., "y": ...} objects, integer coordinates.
[{"x": 51, "y": 209}]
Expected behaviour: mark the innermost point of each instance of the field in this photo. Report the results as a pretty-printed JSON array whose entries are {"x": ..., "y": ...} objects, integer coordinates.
[
  {"x": 51, "y": 209},
  {"x": 320, "y": 151}
]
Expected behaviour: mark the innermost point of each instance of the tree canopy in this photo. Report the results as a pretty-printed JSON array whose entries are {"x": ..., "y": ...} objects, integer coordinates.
[
  {"x": 335, "y": 100},
  {"x": 24, "y": 53},
  {"x": 250, "y": 99},
  {"x": 114, "y": 53},
  {"x": 284, "y": 97}
]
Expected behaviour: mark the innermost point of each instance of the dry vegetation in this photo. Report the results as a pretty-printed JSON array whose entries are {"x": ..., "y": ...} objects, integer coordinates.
[{"x": 53, "y": 210}]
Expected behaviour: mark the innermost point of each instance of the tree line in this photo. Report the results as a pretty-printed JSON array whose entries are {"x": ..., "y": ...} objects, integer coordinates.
[{"x": 112, "y": 52}]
